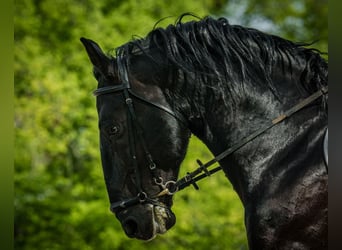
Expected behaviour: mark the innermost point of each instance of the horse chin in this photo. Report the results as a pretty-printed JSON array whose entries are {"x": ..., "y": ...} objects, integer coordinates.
[
  {"x": 163, "y": 219},
  {"x": 145, "y": 223}
]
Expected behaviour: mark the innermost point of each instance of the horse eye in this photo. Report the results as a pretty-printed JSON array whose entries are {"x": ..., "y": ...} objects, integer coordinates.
[{"x": 114, "y": 129}]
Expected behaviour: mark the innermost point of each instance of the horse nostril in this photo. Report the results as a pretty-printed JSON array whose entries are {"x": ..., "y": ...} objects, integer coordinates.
[{"x": 131, "y": 227}]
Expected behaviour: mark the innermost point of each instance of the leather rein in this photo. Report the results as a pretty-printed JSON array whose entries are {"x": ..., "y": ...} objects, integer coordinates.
[{"x": 191, "y": 178}]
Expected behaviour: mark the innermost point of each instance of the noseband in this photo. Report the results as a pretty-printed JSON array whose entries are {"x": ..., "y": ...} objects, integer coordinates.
[{"x": 134, "y": 131}]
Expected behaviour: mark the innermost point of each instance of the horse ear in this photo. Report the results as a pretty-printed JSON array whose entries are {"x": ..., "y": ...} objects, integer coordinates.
[{"x": 96, "y": 55}]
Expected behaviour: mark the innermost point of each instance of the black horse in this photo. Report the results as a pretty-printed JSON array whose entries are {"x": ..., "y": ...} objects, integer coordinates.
[{"x": 228, "y": 85}]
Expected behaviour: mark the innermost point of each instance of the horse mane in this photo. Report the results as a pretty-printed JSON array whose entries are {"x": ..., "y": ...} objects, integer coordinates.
[{"x": 217, "y": 53}]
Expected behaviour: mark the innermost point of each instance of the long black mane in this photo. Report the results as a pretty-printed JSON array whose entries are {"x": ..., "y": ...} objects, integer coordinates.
[{"x": 217, "y": 53}]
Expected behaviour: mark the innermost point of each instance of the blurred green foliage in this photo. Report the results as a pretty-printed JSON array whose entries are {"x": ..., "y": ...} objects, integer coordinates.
[
  {"x": 297, "y": 20},
  {"x": 60, "y": 198}
]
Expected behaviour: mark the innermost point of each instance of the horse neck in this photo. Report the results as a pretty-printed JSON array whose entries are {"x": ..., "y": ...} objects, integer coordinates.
[{"x": 220, "y": 124}]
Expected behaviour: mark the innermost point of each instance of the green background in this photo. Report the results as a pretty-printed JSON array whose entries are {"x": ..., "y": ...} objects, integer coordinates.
[{"x": 60, "y": 200}]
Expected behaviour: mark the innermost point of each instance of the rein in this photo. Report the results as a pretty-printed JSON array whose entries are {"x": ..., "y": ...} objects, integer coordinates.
[{"x": 191, "y": 178}]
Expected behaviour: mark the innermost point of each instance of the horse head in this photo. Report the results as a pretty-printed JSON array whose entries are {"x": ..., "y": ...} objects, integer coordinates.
[{"x": 142, "y": 143}]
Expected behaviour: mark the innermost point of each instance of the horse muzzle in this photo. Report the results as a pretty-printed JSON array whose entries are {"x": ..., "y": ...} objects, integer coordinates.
[{"x": 145, "y": 221}]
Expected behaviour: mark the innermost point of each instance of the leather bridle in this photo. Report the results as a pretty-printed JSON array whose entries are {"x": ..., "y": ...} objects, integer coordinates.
[{"x": 135, "y": 132}]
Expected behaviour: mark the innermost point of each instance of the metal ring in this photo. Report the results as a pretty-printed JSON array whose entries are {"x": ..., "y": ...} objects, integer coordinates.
[
  {"x": 142, "y": 197},
  {"x": 171, "y": 187},
  {"x": 152, "y": 166}
]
